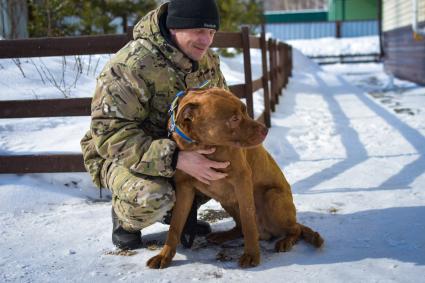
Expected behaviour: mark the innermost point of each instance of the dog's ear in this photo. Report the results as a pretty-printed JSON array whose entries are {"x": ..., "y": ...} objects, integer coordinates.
[{"x": 186, "y": 113}]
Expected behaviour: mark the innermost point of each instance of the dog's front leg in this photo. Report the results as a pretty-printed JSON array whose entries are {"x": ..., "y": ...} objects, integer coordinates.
[
  {"x": 184, "y": 199},
  {"x": 245, "y": 196}
]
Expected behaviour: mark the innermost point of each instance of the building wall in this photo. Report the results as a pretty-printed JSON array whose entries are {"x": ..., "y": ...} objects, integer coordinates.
[
  {"x": 309, "y": 30},
  {"x": 340, "y": 10},
  {"x": 398, "y": 13},
  {"x": 404, "y": 53}
]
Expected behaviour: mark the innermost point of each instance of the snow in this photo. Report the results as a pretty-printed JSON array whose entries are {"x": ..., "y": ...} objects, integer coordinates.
[
  {"x": 350, "y": 140},
  {"x": 332, "y": 46},
  {"x": 50, "y": 77}
]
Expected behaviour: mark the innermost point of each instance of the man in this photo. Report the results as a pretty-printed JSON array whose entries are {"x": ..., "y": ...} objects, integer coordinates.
[{"x": 127, "y": 148}]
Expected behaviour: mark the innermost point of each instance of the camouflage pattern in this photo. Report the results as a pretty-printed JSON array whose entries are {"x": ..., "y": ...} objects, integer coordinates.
[
  {"x": 138, "y": 201},
  {"x": 129, "y": 112}
]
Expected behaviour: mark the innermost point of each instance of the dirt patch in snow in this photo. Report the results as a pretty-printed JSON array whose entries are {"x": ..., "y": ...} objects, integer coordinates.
[{"x": 213, "y": 215}]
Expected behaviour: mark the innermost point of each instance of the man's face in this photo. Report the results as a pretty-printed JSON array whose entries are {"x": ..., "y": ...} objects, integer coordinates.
[{"x": 193, "y": 42}]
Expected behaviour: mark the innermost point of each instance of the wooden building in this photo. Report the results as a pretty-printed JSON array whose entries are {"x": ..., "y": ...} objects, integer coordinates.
[{"x": 403, "y": 37}]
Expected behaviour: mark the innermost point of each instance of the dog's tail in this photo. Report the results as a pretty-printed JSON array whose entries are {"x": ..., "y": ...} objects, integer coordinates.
[{"x": 311, "y": 236}]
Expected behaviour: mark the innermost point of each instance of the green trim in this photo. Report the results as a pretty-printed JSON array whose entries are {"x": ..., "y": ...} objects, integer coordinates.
[
  {"x": 348, "y": 10},
  {"x": 293, "y": 17}
]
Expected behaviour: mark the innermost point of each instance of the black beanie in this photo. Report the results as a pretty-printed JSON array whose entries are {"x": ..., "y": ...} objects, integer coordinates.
[{"x": 184, "y": 14}]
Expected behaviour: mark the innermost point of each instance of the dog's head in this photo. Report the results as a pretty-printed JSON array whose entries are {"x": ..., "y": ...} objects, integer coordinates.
[{"x": 217, "y": 117}]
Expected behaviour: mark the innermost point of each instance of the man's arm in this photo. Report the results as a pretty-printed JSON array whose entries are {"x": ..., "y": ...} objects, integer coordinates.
[{"x": 119, "y": 108}]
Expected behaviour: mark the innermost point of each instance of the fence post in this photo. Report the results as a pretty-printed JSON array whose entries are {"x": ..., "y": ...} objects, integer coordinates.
[
  {"x": 275, "y": 72},
  {"x": 281, "y": 67},
  {"x": 271, "y": 76},
  {"x": 291, "y": 61},
  {"x": 265, "y": 78},
  {"x": 285, "y": 64},
  {"x": 247, "y": 69},
  {"x": 338, "y": 29}
]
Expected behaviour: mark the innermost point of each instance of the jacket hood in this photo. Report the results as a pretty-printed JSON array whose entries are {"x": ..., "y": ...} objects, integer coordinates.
[{"x": 148, "y": 29}]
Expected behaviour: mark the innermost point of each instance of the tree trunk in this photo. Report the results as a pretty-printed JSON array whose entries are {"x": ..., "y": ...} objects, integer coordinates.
[
  {"x": 49, "y": 18},
  {"x": 124, "y": 23},
  {"x": 16, "y": 17}
]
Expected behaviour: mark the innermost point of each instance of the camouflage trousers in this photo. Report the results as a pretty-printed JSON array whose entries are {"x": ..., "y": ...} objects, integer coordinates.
[{"x": 138, "y": 200}]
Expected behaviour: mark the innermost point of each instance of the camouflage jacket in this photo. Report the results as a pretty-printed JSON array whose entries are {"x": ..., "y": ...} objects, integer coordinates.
[{"x": 132, "y": 97}]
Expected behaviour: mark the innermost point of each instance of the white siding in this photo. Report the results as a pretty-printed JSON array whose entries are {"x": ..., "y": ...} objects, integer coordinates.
[{"x": 399, "y": 13}]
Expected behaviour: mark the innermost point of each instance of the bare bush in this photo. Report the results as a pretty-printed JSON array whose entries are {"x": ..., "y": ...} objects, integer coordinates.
[
  {"x": 17, "y": 62},
  {"x": 59, "y": 79}
]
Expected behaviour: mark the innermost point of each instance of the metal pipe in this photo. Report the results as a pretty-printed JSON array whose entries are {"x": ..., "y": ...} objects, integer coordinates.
[{"x": 415, "y": 27}]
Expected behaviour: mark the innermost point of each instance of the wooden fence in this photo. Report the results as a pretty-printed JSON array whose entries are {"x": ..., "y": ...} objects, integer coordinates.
[
  {"x": 346, "y": 58},
  {"x": 276, "y": 70}
]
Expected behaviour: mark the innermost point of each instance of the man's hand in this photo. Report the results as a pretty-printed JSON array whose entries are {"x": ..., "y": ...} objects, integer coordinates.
[{"x": 197, "y": 165}]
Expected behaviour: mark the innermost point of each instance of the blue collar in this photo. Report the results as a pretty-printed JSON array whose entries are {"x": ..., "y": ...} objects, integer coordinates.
[{"x": 173, "y": 126}]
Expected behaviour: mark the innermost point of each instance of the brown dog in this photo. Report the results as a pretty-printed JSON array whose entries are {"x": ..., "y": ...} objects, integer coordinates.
[{"x": 255, "y": 192}]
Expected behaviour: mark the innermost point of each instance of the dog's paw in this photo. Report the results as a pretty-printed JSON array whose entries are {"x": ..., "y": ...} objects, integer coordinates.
[
  {"x": 317, "y": 240},
  {"x": 284, "y": 245},
  {"x": 163, "y": 259},
  {"x": 249, "y": 260},
  {"x": 158, "y": 261}
]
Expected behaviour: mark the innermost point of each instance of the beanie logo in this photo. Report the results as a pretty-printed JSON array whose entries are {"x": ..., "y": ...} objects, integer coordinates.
[{"x": 210, "y": 26}]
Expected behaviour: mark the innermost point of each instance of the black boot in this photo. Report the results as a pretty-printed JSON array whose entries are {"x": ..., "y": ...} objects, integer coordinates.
[
  {"x": 124, "y": 239},
  {"x": 194, "y": 227}
]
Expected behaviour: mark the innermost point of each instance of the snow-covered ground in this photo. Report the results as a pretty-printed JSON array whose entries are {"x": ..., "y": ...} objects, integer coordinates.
[{"x": 350, "y": 141}]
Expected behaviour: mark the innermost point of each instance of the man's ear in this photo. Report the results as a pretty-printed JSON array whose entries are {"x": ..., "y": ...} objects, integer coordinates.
[{"x": 187, "y": 113}]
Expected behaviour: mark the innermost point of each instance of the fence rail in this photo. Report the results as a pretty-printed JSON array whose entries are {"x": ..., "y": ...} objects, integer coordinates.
[
  {"x": 275, "y": 76},
  {"x": 346, "y": 58}
]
